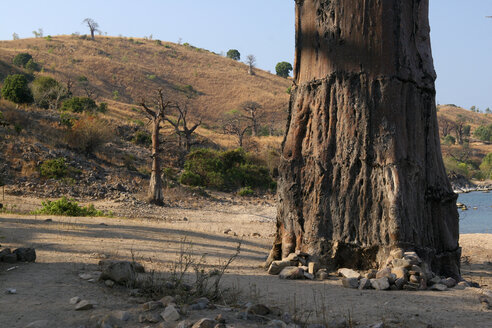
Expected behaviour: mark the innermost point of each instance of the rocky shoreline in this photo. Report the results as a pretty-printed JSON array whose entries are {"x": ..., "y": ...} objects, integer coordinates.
[{"x": 461, "y": 184}]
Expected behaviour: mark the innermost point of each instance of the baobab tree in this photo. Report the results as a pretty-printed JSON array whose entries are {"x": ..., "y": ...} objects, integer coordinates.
[
  {"x": 156, "y": 116},
  {"x": 251, "y": 62},
  {"x": 254, "y": 114},
  {"x": 361, "y": 171},
  {"x": 181, "y": 127},
  {"x": 93, "y": 26}
]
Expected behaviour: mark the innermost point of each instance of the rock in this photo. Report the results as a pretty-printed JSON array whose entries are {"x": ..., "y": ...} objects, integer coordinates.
[
  {"x": 435, "y": 280},
  {"x": 485, "y": 302},
  {"x": 166, "y": 300},
  {"x": 121, "y": 315},
  {"x": 348, "y": 273},
  {"x": 411, "y": 287},
  {"x": 204, "y": 323},
  {"x": 226, "y": 231},
  {"x": 220, "y": 325},
  {"x": 449, "y": 282},
  {"x": 109, "y": 283},
  {"x": 25, "y": 254},
  {"x": 376, "y": 325},
  {"x": 291, "y": 272},
  {"x": 403, "y": 263},
  {"x": 277, "y": 266},
  {"x": 258, "y": 309},
  {"x": 364, "y": 283},
  {"x": 220, "y": 318},
  {"x": 83, "y": 305},
  {"x": 397, "y": 253},
  {"x": 380, "y": 284},
  {"x": 399, "y": 272},
  {"x": 277, "y": 324},
  {"x": 415, "y": 279},
  {"x": 10, "y": 258},
  {"x": 322, "y": 274},
  {"x": 121, "y": 272},
  {"x": 371, "y": 274},
  {"x": 400, "y": 282},
  {"x": 11, "y": 291},
  {"x": 149, "y": 317},
  {"x": 308, "y": 275},
  {"x": 439, "y": 287},
  {"x": 184, "y": 324},
  {"x": 350, "y": 282},
  {"x": 170, "y": 314},
  {"x": 74, "y": 300},
  {"x": 3, "y": 252},
  {"x": 39, "y": 324},
  {"x": 293, "y": 257},
  {"x": 312, "y": 267},
  {"x": 383, "y": 273},
  {"x": 200, "y": 304},
  {"x": 85, "y": 276},
  {"x": 150, "y": 306}
]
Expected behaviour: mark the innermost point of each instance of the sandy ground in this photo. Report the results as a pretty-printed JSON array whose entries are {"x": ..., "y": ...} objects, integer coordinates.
[{"x": 68, "y": 246}]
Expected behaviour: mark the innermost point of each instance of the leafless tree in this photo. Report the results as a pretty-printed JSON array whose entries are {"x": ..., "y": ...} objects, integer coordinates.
[
  {"x": 93, "y": 26},
  {"x": 460, "y": 128},
  {"x": 251, "y": 62},
  {"x": 446, "y": 126},
  {"x": 156, "y": 115},
  {"x": 254, "y": 114},
  {"x": 236, "y": 125},
  {"x": 181, "y": 125}
]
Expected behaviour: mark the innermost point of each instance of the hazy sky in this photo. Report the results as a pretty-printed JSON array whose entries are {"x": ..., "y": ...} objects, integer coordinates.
[{"x": 461, "y": 35}]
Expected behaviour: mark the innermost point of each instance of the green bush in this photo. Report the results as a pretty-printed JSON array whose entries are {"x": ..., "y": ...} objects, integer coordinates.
[
  {"x": 15, "y": 88},
  {"x": 142, "y": 138},
  {"x": 226, "y": 170},
  {"x": 22, "y": 59},
  {"x": 79, "y": 105},
  {"x": 68, "y": 207},
  {"x": 283, "y": 69},
  {"x": 246, "y": 191},
  {"x": 32, "y": 66},
  {"x": 449, "y": 140},
  {"x": 54, "y": 168},
  {"x": 47, "y": 91},
  {"x": 103, "y": 107},
  {"x": 484, "y": 133},
  {"x": 233, "y": 54},
  {"x": 486, "y": 166},
  {"x": 67, "y": 119}
]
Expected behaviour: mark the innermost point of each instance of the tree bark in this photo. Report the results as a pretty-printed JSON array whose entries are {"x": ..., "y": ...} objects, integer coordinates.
[
  {"x": 361, "y": 171},
  {"x": 155, "y": 194}
]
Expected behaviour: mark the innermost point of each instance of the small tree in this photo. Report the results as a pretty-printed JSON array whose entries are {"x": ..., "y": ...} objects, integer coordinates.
[
  {"x": 48, "y": 92},
  {"x": 486, "y": 166},
  {"x": 181, "y": 125},
  {"x": 254, "y": 114},
  {"x": 283, "y": 69},
  {"x": 93, "y": 26},
  {"x": 15, "y": 36},
  {"x": 38, "y": 33},
  {"x": 236, "y": 125},
  {"x": 79, "y": 105},
  {"x": 89, "y": 91},
  {"x": 22, "y": 59},
  {"x": 234, "y": 54},
  {"x": 15, "y": 89},
  {"x": 251, "y": 62},
  {"x": 156, "y": 116}
]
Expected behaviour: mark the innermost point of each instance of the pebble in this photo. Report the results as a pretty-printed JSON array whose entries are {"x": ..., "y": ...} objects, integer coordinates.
[
  {"x": 109, "y": 283},
  {"x": 11, "y": 291},
  {"x": 83, "y": 305},
  {"x": 322, "y": 274},
  {"x": 74, "y": 300}
]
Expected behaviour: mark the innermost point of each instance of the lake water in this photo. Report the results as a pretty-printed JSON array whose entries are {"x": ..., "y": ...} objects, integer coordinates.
[{"x": 477, "y": 220}]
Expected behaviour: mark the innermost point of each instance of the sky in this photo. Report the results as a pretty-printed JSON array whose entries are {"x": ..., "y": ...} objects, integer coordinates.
[{"x": 461, "y": 35}]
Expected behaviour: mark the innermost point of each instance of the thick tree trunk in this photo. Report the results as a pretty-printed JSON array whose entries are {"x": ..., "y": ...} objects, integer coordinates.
[
  {"x": 155, "y": 194},
  {"x": 361, "y": 170}
]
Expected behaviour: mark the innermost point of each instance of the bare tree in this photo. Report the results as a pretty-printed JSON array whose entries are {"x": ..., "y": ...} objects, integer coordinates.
[
  {"x": 460, "y": 128},
  {"x": 15, "y": 36},
  {"x": 181, "y": 125},
  {"x": 254, "y": 114},
  {"x": 156, "y": 116},
  {"x": 251, "y": 62},
  {"x": 446, "y": 126},
  {"x": 93, "y": 26},
  {"x": 236, "y": 125}
]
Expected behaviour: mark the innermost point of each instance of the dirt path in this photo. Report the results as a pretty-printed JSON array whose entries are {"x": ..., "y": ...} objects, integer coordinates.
[{"x": 67, "y": 247}]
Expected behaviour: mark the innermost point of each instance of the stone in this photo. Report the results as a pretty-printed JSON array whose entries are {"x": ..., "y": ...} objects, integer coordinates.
[
  {"x": 121, "y": 272},
  {"x": 348, "y": 273},
  {"x": 277, "y": 266},
  {"x": 292, "y": 257},
  {"x": 200, "y": 304},
  {"x": 400, "y": 282},
  {"x": 411, "y": 287},
  {"x": 258, "y": 309},
  {"x": 350, "y": 282},
  {"x": 462, "y": 285},
  {"x": 149, "y": 317},
  {"x": 371, "y": 274},
  {"x": 121, "y": 315},
  {"x": 277, "y": 324},
  {"x": 220, "y": 318},
  {"x": 74, "y": 300},
  {"x": 11, "y": 291},
  {"x": 10, "y": 258},
  {"x": 399, "y": 272},
  {"x": 322, "y": 274},
  {"x": 415, "y": 279},
  {"x": 292, "y": 272},
  {"x": 397, "y": 253},
  {"x": 364, "y": 283},
  {"x": 39, "y": 324},
  {"x": 439, "y": 287},
  {"x": 312, "y": 267},
  {"x": 308, "y": 275},
  {"x": 184, "y": 324},
  {"x": 435, "y": 280},
  {"x": 166, "y": 300},
  {"x": 449, "y": 282},
  {"x": 83, "y": 305},
  {"x": 220, "y": 325},
  {"x": 380, "y": 284},
  {"x": 404, "y": 263},
  {"x": 25, "y": 254},
  {"x": 170, "y": 314},
  {"x": 204, "y": 323},
  {"x": 109, "y": 283},
  {"x": 85, "y": 276},
  {"x": 4, "y": 252},
  {"x": 152, "y": 305},
  {"x": 226, "y": 231}
]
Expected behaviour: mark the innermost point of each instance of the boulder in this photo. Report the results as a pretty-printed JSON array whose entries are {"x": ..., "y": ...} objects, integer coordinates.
[
  {"x": 4, "y": 252},
  {"x": 399, "y": 272},
  {"x": 121, "y": 272},
  {"x": 26, "y": 254},
  {"x": 386, "y": 272},
  {"x": 348, "y": 273},
  {"x": 380, "y": 284},
  {"x": 10, "y": 258},
  {"x": 170, "y": 314},
  {"x": 403, "y": 263},
  {"x": 277, "y": 266},
  {"x": 350, "y": 282},
  {"x": 322, "y": 274},
  {"x": 292, "y": 272},
  {"x": 364, "y": 283},
  {"x": 449, "y": 282}
]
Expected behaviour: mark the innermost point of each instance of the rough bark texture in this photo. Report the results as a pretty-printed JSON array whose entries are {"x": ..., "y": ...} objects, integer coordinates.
[
  {"x": 361, "y": 170},
  {"x": 155, "y": 194}
]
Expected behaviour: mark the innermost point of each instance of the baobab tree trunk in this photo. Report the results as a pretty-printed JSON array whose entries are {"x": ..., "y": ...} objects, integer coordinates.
[
  {"x": 361, "y": 170},
  {"x": 155, "y": 194}
]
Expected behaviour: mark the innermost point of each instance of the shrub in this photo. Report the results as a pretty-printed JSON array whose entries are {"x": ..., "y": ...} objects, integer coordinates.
[
  {"x": 246, "y": 191},
  {"x": 142, "y": 138},
  {"x": 33, "y": 66},
  {"x": 484, "y": 133},
  {"x": 449, "y": 140},
  {"x": 283, "y": 69},
  {"x": 103, "y": 107},
  {"x": 68, "y": 207},
  {"x": 47, "y": 91},
  {"x": 22, "y": 59},
  {"x": 67, "y": 119},
  {"x": 88, "y": 134},
  {"x": 54, "y": 168},
  {"x": 15, "y": 88},
  {"x": 79, "y": 105},
  {"x": 486, "y": 166},
  {"x": 234, "y": 54},
  {"x": 225, "y": 170}
]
